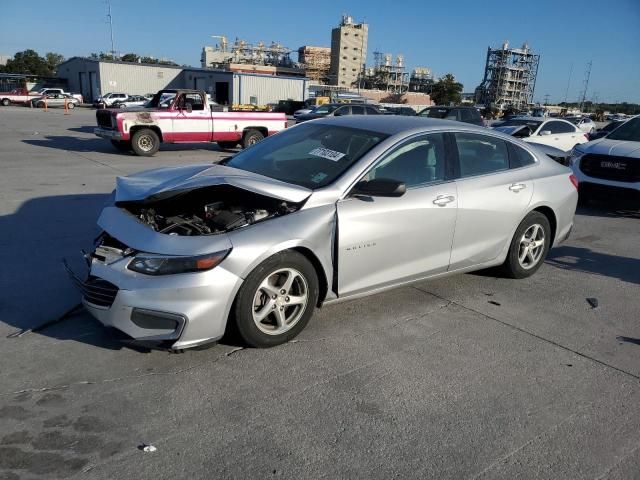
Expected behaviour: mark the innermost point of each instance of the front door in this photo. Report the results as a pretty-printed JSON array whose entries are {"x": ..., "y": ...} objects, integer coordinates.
[
  {"x": 194, "y": 126},
  {"x": 382, "y": 240}
]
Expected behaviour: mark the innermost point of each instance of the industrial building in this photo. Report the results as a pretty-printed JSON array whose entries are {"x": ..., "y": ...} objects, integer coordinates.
[
  {"x": 348, "y": 52},
  {"x": 509, "y": 77},
  {"x": 386, "y": 74},
  {"x": 242, "y": 56},
  {"x": 93, "y": 78},
  {"x": 316, "y": 62}
]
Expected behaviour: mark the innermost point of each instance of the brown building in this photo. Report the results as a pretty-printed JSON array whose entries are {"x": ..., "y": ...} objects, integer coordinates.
[
  {"x": 316, "y": 62},
  {"x": 348, "y": 52}
]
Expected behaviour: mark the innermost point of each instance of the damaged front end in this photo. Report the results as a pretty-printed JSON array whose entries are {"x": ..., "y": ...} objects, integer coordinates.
[{"x": 157, "y": 272}]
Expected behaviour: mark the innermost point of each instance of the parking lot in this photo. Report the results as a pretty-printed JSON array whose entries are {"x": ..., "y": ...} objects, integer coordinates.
[{"x": 471, "y": 376}]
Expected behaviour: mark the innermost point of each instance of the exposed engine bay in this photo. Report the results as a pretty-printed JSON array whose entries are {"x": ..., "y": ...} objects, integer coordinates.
[{"x": 207, "y": 211}]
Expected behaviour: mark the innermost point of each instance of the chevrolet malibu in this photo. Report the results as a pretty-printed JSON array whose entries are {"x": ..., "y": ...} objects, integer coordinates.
[{"x": 325, "y": 211}]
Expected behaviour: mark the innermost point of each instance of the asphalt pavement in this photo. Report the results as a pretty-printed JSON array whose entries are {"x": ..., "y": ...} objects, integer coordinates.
[{"x": 467, "y": 377}]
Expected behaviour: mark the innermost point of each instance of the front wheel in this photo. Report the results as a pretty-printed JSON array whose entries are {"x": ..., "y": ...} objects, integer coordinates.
[
  {"x": 529, "y": 246},
  {"x": 5, "y": 102},
  {"x": 71, "y": 105},
  {"x": 276, "y": 300},
  {"x": 145, "y": 142},
  {"x": 251, "y": 137}
]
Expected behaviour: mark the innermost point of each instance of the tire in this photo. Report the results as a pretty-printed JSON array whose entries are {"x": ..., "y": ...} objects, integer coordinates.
[
  {"x": 251, "y": 137},
  {"x": 40, "y": 104},
  {"x": 71, "y": 105},
  {"x": 520, "y": 264},
  {"x": 262, "y": 293},
  {"x": 122, "y": 146},
  {"x": 5, "y": 102},
  {"x": 145, "y": 142},
  {"x": 227, "y": 145},
  {"x": 122, "y": 105}
]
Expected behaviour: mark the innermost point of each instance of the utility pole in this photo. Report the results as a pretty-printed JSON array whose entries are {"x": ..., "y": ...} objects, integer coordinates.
[
  {"x": 566, "y": 92},
  {"x": 113, "y": 48},
  {"x": 546, "y": 99},
  {"x": 587, "y": 75}
]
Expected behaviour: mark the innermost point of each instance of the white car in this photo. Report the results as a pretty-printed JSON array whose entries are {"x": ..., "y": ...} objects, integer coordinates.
[
  {"x": 552, "y": 131},
  {"x": 583, "y": 123},
  {"x": 109, "y": 99},
  {"x": 131, "y": 101}
]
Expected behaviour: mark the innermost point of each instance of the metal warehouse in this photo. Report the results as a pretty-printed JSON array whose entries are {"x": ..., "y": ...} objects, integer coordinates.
[{"x": 93, "y": 78}]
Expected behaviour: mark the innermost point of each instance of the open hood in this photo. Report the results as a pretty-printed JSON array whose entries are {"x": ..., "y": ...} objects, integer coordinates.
[{"x": 153, "y": 185}]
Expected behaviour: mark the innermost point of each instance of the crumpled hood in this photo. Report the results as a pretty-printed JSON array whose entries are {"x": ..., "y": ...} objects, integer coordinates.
[
  {"x": 605, "y": 146},
  {"x": 163, "y": 182}
]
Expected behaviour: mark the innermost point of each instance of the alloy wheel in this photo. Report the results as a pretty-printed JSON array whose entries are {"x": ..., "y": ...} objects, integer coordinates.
[{"x": 531, "y": 246}]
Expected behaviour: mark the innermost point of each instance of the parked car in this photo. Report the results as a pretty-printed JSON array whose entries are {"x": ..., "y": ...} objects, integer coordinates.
[
  {"x": 288, "y": 107},
  {"x": 55, "y": 100},
  {"x": 460, "y": 114},
  {"x": 406, "y": 111},
  {"x": 47, "y": 91},
  {"x": 336, "y": 110},
  {"x": 583, "y": 123},
  {"x": 131, "y": 101},
  {"x": 183, "y": 116},
  {"x": 610, "y": 166},
  {"x": 553, "y": 132},
  {"x": 108, "y": 99},
  {"x": 604, "y": 131},
  {"x": 324, "y": 211}
]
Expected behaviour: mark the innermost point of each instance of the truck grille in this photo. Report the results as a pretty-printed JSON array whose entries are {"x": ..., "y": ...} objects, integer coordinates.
[
  {"x": 611, "y": 167},
  {"x": 104, "y": 118}
]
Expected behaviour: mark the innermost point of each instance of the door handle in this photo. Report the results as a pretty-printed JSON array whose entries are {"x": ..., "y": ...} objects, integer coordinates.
[
  {"x": 442, "y": 200},
  {"x": 516, "y": 187}
]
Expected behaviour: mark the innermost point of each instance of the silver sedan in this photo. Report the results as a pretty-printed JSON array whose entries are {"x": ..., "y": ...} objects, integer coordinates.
[{"x": 325, "y": 211}]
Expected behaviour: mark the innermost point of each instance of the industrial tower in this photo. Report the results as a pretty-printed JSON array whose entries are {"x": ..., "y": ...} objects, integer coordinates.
[{"x": 348, "y": 52}]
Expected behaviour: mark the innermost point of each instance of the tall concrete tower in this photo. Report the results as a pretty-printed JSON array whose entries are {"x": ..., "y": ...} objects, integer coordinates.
[{"x": 348, "y": 52}]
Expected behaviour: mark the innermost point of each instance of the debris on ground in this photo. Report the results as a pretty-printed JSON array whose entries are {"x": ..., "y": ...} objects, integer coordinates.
[
  {"x": 493, "y": 302},
  {"x": 635, "y": 341},
  {"x": 593, "y": 302},
  {"x": 147, "y": 448}
]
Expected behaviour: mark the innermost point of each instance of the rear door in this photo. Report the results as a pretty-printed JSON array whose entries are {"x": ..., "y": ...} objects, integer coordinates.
[
  {"x": 492, "y": 198},
  {"x": 564, "y": 135},
  {"x": 194, "y": 126},
  {"x": 384, "y": 241}
]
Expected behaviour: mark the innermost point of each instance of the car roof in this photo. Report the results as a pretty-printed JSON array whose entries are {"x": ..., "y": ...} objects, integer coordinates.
[
  {"x": 392, "y": 125},
  {"x": 448, "y": 107}
]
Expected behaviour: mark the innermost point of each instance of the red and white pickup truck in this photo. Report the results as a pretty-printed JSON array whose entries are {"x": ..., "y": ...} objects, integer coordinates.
[
  {"x": 22, "y": 95},
  {"x": 183, "y": 116}
]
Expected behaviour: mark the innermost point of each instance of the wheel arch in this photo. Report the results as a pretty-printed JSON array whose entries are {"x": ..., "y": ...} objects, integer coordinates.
[
  {"x": 317, "y": 265},
  {"x": 155, "y": 128},
  {"x": 263, "y": 130},
  {"x": 551, "y": 217}
]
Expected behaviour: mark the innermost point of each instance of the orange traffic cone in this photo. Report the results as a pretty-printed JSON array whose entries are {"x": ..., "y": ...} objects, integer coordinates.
[
  {"x": 66, "y": 107},
  {"x": 45, "y": 104}
]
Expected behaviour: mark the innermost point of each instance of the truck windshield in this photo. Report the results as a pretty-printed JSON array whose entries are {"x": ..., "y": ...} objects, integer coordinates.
[
  {"x": 309, "y": 155},
  {"x": 629, "y": 131}
]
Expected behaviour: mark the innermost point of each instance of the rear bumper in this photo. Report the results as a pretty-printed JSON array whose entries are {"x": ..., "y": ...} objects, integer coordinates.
[{"x": 108, "y": 133}]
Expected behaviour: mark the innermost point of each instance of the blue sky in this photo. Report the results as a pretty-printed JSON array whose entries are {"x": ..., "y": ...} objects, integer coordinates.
[{"x": 445, "y": 36}]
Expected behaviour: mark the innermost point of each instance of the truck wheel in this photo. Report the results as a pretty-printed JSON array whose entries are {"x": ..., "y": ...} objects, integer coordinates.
[
  {"x": 121, "y": 146},
  {"x": 227, "y": 145},
  {"x": 251, "y": 137},
  {"x": 145, "y": 142},
  {"x": 5, "y": 102}
]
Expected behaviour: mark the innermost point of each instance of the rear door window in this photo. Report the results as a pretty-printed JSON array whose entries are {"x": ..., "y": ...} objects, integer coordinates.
[
  {"x": 558, "y": 127},
  {"x": 481, "y": 154},
  {"x": 357, "y": 110}
]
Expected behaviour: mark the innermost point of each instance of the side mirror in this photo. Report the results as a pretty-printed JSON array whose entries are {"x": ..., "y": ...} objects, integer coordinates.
[
  {"x": 380, "y": 187},
  {"x": 545, "y": 132}
]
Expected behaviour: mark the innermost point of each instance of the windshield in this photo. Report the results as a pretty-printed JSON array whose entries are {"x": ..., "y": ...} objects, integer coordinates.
[
  {"x": 629, "y": 131},
  {"x": 434, "y": 112},
  {"x": 532, "y": 124},
  {"x": 308, "y": 155}
]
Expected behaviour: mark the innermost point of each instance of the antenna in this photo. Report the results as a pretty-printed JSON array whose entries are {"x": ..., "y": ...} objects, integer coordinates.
[
  {"x": 587, "y": 74},
  {"x": 113, "y": 48}
]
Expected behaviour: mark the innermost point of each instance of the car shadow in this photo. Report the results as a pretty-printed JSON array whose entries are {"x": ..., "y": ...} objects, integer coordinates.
[
  {"x": 586, "y": 260},
  {"x": 36, "y": 288},
  {"x": 618, "y": 208},
  {"x": 84, "y": 129}
]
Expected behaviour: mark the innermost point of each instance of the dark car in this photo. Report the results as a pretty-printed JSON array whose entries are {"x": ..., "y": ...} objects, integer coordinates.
[
  {"x": 606, "y": 130},
  {"x": 406, "y": 111},
  {"x": 338, "y": 109},
  {"x": 288, "y": 106},
  {"x": 460, "y": 114}
]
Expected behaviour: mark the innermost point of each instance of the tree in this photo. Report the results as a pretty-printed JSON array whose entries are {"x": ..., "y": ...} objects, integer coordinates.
[
  {"x": 53, "y": 60},
  {"x": 30, "y": 62},
  {"x": 129, "y": 57},
  {"x": 446, "y": 90}
]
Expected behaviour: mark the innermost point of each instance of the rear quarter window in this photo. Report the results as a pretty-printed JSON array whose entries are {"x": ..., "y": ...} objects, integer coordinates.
[{"x": 519, "y": 157}]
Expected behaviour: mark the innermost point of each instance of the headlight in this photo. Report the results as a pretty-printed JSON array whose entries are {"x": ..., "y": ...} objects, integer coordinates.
[{"x": 173, "y": 265}]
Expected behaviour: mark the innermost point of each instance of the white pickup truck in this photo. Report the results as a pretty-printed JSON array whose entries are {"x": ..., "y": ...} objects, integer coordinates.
[
  {"x": 183, "y": 116},
  {"x": 22, "y": 95}
]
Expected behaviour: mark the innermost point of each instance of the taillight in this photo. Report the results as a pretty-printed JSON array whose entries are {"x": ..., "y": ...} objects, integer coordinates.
[{"x": 574, "y": 180}]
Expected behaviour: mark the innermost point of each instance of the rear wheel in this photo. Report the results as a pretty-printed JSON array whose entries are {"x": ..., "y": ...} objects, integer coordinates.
[
  {"x": 121, "y": 146},
  {"x": 5, "y": 102},
  {"x": 71, "y": 105},
  {"x": 251, "y": 137},
  {"x": 227, "y": 145},
  {"x": 145, "y": 142},
  {"x": 276, "y": 300},
  {"x": 529, "y": 246}
]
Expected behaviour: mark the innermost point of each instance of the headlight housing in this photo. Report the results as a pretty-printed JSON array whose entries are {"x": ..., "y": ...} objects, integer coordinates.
[{"x": 158, "y": 265}]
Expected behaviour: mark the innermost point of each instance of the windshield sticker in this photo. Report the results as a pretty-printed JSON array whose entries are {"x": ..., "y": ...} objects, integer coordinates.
[
  {"x": 319, "y": 177},
  {"x": 326, "y": 153}
]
